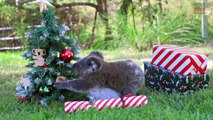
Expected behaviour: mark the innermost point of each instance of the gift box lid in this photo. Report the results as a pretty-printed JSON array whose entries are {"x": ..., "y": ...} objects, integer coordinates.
[{"x": 179, "y": 59}]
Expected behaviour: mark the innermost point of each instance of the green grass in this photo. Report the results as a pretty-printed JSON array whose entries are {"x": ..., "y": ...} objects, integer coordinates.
[{"x": 162, "y": 106}]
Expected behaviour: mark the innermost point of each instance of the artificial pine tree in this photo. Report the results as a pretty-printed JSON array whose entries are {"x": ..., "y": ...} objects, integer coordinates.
[{"x": 44, "y": 46}]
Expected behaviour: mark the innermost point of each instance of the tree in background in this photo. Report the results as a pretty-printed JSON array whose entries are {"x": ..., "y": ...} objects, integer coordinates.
[
  {"x": 102, "y": 10},
  {"x": 44, "y": 45},
  {"x": 139, "y": 23}
]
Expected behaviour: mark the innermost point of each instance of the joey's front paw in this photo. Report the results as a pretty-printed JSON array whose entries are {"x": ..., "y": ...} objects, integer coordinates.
[
  {"x": 57, "y": 85},
  {"x": 126, "y": 95},
  {"x": 61, "y": 79}
]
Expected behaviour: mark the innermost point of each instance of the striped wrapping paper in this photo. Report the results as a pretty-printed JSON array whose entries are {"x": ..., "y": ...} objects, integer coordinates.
[
  {"x": 179, "y": 59},
  {"x": 108, "y": 103},
  {"x": 135, "y": 101},
  {"x": 74, "y": 106}
]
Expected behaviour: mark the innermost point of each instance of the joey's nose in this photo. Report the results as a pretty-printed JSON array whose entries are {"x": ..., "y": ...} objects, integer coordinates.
[{"x": 75, "y": 67}]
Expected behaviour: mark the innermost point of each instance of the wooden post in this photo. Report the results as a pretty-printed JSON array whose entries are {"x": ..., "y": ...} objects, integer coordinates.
[{"x": 204, "y": 23}]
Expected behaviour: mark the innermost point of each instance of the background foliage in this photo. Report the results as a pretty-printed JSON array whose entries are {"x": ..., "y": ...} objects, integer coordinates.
[{"x": 139, "y": 25}]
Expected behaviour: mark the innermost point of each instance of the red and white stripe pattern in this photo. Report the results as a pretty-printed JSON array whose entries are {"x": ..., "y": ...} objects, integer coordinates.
[
  {"x": 76, "y": 105},
  {"x": 135, "y": 101},
  {"x": 108, "y": 103},
  {"x": 179, "y": 59}
]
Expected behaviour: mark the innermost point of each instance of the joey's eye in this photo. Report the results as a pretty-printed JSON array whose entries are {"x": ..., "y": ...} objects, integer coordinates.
[{"x": 89, "y": 63}]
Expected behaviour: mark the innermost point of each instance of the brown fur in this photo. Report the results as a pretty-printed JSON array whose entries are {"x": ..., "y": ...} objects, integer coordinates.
[{"x": 123, "y": 76}]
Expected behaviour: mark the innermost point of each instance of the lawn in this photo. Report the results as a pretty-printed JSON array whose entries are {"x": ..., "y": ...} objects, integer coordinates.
[{"x": 196, "y": 106}]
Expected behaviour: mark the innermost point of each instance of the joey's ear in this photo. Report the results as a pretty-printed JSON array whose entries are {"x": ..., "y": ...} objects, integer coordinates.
[
  {"x": 96, "y": 53},
  {"x": 33, "y": 51},
  {"x": 95, "y": 63},
  {"x": 44, "y": 52}
]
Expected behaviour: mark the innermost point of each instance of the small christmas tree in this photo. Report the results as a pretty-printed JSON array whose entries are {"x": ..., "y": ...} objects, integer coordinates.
[{"x": 44, "y": 46}]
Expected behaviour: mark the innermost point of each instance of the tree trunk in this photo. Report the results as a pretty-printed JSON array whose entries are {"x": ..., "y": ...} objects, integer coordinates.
[
  {"x": 87, "y": 45},
  {"x": 160, "y": 5},
  {"x": 150, "y": 16},
  {"x": 54, "y": 1},
  {"x": 102, "y": 8},
  {"x": 124, "y": 8}
]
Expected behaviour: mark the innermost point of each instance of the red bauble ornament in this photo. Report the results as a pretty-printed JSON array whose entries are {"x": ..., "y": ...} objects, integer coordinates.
[
  {"x": 45, "y": 65},
  {"x": 199, "y": 84},
  {"x": 21, "y": 99},
  {"x": 182, "y": 87},
  {"x": 66, "y": 55}
]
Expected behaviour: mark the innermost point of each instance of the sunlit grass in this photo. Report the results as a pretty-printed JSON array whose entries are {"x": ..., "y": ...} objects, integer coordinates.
[{"x": 161, "y": 105}]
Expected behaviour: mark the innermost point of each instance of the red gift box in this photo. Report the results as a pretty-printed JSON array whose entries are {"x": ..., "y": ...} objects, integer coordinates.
[{"x": 179, "y": 59}]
